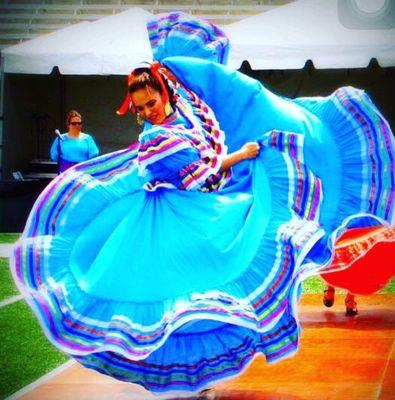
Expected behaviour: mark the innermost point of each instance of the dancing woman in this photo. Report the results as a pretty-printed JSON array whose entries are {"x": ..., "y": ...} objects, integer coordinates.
[
  {"x": 199, "y": 159},
  {"x": 173, "y": 263}
]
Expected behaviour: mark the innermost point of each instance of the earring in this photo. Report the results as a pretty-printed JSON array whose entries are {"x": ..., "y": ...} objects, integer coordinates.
[
  {"x": 140, "y": 119},
  {"x": 168, "y": 109}
]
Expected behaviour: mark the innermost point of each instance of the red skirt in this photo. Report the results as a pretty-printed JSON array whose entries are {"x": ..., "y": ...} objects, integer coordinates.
[{"x": 364, "y": 260}]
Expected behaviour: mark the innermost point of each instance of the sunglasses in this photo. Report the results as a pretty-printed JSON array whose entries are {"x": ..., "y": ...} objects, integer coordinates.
[{"x": 75, "y": 123}]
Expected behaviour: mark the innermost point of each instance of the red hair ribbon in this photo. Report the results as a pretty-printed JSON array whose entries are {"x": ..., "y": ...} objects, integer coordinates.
[{"x": 158, "y": 71}]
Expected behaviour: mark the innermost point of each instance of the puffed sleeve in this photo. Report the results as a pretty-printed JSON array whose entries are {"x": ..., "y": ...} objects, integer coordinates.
[{"x": 167, "y": 158}]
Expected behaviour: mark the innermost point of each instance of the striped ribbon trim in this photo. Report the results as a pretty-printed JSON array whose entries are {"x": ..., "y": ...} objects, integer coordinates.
[
  {"x": 203, "y": 135},
  {"x": 376, "y": 145},
  {"x": 190, "y": 377},
  {"x": 308, "y": 188},
  {"x": 54, "y": 199},
  {"x": 200, "y": 38}
]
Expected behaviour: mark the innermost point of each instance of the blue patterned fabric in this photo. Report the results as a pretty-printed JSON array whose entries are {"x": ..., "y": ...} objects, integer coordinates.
[{"x": 180, "y": 34}]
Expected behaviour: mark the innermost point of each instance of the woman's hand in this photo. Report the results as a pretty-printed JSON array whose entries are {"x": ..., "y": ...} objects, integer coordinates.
[
  {"x": 247, "y": 151},
  {"x": 250, "y": 150}
]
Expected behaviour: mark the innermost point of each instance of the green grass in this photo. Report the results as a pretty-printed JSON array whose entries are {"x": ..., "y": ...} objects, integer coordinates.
[
  {"x": 313, "y": 285},
  {"x": 316, "y": 285},
  {"x": 390, "y": 288},
  {"x": 7, "y": 285},
  {"x": 9, "y": 237},
  {"x": 25, "y": 353}
]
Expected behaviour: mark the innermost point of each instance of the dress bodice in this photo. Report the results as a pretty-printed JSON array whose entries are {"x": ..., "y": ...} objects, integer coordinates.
[{"x": 186, "y": 150}]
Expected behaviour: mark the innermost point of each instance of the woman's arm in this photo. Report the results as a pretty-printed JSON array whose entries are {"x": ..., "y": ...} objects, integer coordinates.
[
  {"x": 249, "y": 150},
  {"x": 54, "y": 153},
  {"x": 93, "y": 150}
]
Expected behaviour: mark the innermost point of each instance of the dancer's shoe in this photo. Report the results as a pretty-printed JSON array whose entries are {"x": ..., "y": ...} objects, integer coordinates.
[
  {"x": 351, "y": 305},
  {"x": 207, "y": 394},
  {"x": 329, "y": 296}
]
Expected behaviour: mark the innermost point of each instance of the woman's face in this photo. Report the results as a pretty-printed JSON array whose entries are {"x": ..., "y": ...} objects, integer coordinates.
[
  {"x": 149, "y": 105},
  {"x": 75, "y": 124}
]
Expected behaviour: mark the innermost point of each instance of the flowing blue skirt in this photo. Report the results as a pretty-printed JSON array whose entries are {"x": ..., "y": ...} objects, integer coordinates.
[{"x": 175, "y": 290}]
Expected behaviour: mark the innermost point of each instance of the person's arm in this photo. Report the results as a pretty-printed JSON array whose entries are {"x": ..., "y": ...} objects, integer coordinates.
[
  {"x": 54, "y": 154},
  {"x": 93, "y": 150},
  {"x": 247, "y": 151}
]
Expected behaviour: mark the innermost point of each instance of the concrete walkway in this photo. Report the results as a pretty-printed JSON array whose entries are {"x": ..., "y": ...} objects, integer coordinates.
[{"x": 6, "y": 249}]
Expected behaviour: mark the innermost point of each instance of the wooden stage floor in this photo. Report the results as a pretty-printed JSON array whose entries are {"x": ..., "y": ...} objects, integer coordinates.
[{"x": 340, "y": 357}]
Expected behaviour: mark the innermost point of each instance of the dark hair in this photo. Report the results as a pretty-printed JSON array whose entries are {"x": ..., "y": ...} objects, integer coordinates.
[
  {"x": 72, "y": 114},
  {"x": 143, "y": 78}
]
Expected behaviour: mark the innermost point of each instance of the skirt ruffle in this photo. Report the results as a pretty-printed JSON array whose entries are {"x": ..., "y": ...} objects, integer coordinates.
[
  {"x": 366, "y": 146},
  {"x": 128, "y": 281},
  {"x": 363, "y": 262},
  {"x": 363, "y": 255}
]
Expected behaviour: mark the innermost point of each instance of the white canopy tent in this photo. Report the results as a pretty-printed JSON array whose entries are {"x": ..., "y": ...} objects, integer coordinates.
[
  {"x": 111, "y": 45},
  {"x": 316, "y": 30},
  {"x": 282, "y": 38}
]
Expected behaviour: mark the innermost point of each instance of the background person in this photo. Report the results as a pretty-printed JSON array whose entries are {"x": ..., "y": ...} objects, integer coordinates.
[{"x": 74, "y": 146}]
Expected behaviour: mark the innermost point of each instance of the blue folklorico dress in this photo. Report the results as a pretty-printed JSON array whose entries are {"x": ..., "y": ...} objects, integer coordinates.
[{"x": 152, "y": 266}]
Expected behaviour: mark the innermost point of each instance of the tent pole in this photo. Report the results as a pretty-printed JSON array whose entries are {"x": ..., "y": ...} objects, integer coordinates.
[
  {"x": 62, "y": 92},
  {"x": 1, "y": 112}
]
